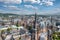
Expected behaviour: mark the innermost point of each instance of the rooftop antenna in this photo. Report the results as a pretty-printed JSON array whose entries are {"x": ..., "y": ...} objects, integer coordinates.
[{"x": 34, "y": 27}]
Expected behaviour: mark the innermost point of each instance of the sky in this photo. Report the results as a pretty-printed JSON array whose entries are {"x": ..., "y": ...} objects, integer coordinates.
[{"x": 30, "y": 6}]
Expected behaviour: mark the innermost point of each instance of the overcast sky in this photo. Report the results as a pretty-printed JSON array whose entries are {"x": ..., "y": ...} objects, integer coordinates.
[{"x": 30, "y": 6}]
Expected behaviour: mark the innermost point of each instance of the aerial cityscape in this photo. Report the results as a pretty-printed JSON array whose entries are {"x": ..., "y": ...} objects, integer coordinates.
[{"x": 29, "y": 19}]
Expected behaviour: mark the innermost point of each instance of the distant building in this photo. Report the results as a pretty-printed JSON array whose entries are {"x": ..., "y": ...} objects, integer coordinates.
[
  {"x": 57, "y": 23},
  {"x": 58, "y": 28},
  {"x": 42, "y": 24}
]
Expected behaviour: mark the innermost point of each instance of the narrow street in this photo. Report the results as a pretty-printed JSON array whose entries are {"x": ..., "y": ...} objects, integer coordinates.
[{"x": 42, "y": 34}]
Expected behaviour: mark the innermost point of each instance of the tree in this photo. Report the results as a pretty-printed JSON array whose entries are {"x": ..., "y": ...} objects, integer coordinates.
[
  {"x": 19, "y": 38},
  {"x": 3, "y": 38},
  {"x": 56, "y": 36},
  {"x": 29, "y": 27},
  {"x": 8, "y": 30},
  {"x": 17, "y": 25}
]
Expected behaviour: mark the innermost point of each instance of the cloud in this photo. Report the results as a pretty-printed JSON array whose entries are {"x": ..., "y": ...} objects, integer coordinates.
[
  {"x": 54, "y": 11},
  {"x": 32, "y": 1},
  {"x": 30, "y": 6},
  {"x": 47, "y": 2},
  {"x": 11, "y": 7},
  {"x": 21, "y": 12},
  {"x": 41, "y": 2},
  {"x": 11, "y": 1}
]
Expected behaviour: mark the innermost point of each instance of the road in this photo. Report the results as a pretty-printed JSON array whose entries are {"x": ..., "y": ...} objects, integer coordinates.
[
  {"x": 42, "y": 34},
  {"x": 16, "y": 37}
]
